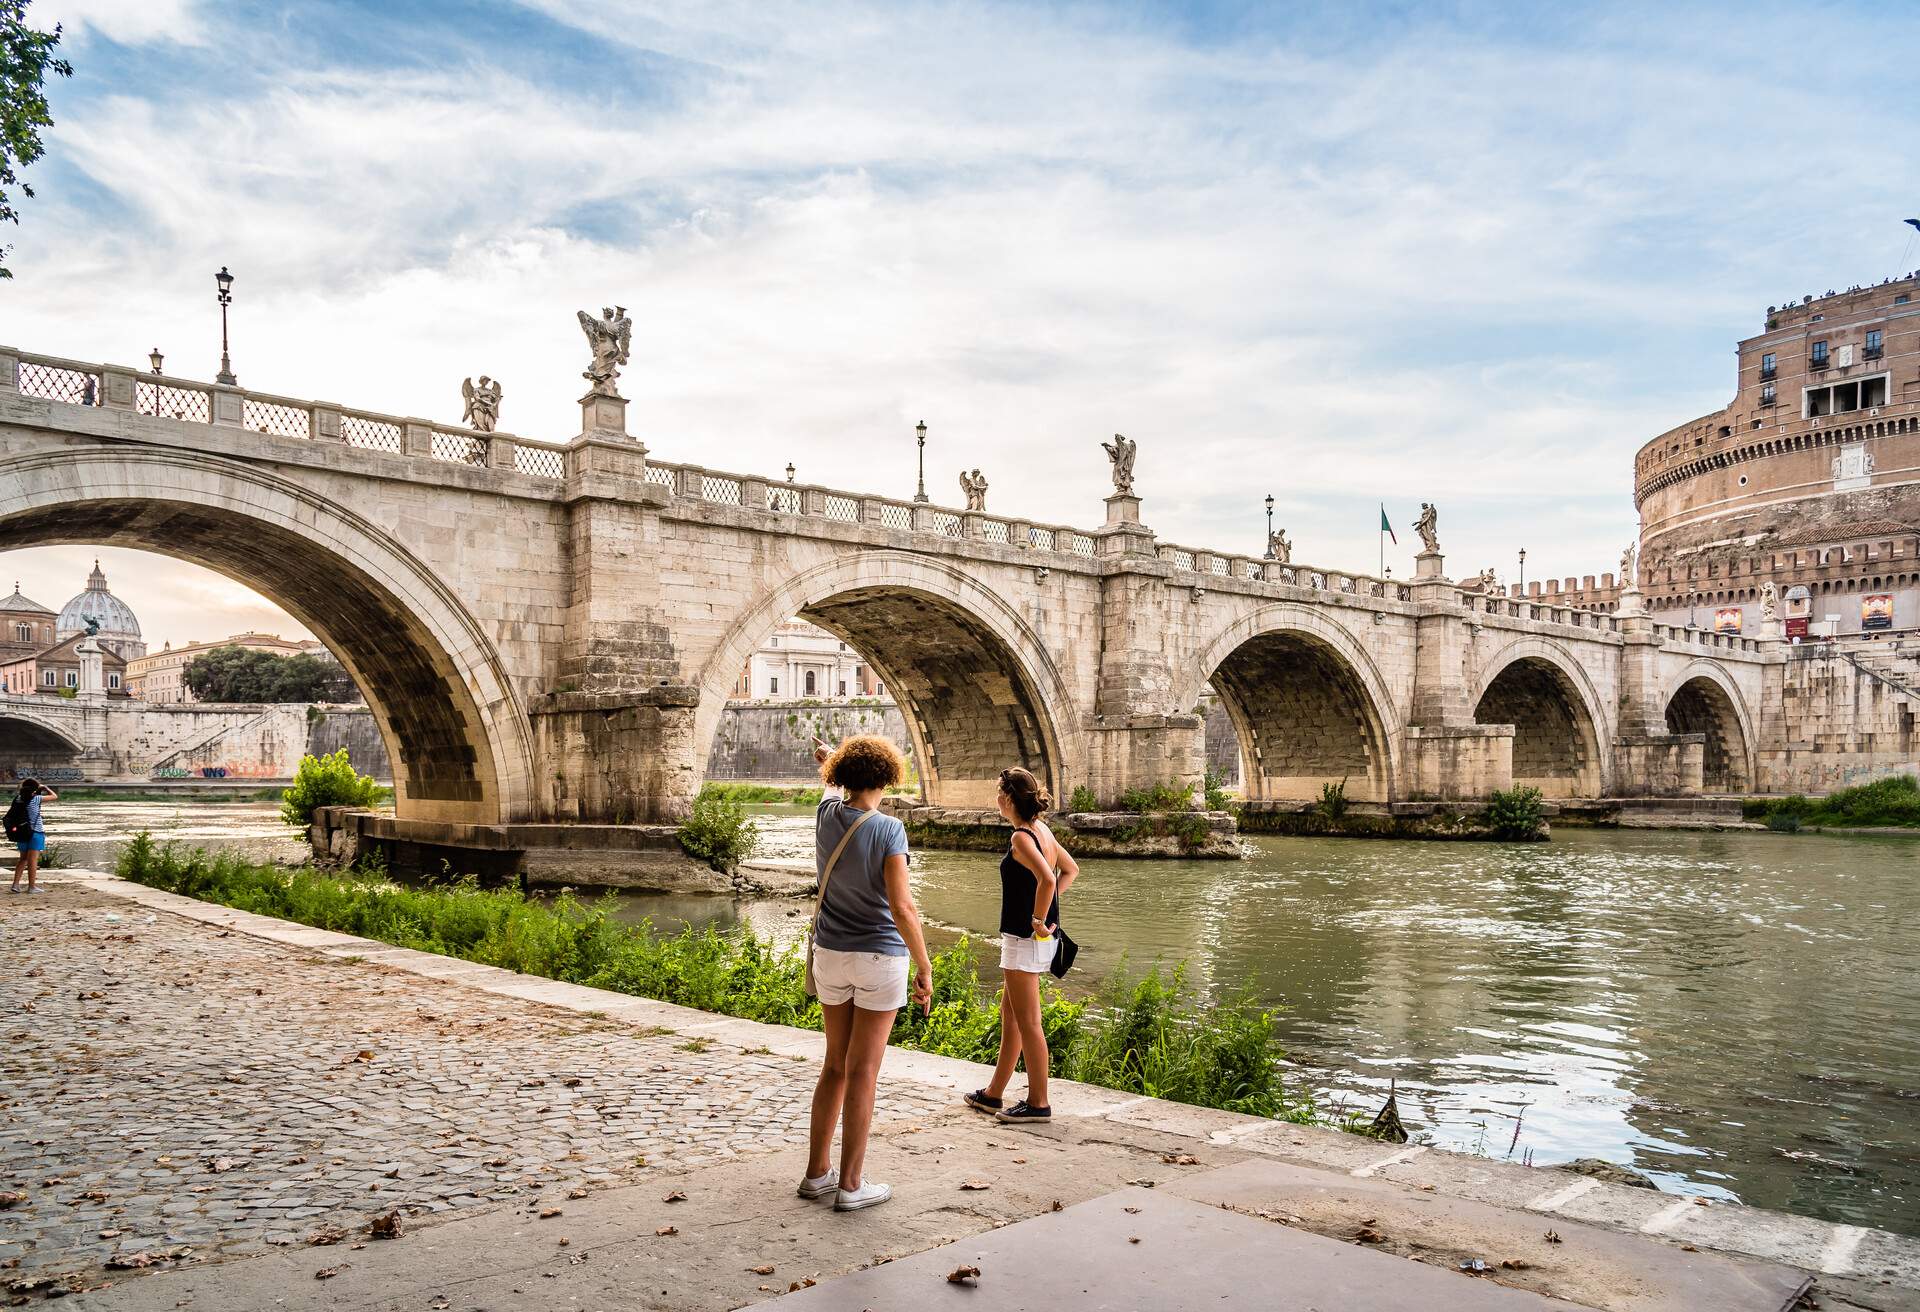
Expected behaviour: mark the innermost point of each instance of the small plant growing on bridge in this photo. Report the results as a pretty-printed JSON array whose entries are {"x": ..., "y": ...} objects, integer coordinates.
[
  {"x": 1333, "y": 799},
  {"x": 1083, "y": 801},
  {"x": 1516, "y": 815},
  {"x": 328, "y": 780},
  {"x": 718, "y": 830},
  {"x": 1218, "y": 799},
  {"x": 1160, "y": 797}
]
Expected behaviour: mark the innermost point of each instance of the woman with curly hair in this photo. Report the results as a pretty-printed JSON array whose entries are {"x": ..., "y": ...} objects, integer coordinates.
[
  {"x": 1033, "y": 875},
  {"x": 865, "y": 930}
]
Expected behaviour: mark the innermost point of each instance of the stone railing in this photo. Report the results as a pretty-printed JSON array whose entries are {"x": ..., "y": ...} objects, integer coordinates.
[
  {"x": 1705, "y": 638},
  {"x": 112, "y": 387},
  {"x": 1198, "y": 560},
  {"x": 696, "y": 483},
  {"x": 1528, "y": 608}
]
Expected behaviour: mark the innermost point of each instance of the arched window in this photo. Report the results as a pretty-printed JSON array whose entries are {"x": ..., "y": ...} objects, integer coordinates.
[{"x": 809, "y": 683}]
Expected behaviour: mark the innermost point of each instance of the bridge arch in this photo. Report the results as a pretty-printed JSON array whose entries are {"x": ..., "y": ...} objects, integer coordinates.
[
  {"x": 454, "y": 730},
  {"x": 1307, "y": 702},
  {"x": 1559, "y": 728},
  {"x": 30, "y": 741},
  {"x": 1704, "y": 700},
  {"x": 975, "y": 683}
]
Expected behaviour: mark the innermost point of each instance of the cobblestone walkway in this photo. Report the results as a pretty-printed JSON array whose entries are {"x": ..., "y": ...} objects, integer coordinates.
[{"x": 165, "y": 1084}]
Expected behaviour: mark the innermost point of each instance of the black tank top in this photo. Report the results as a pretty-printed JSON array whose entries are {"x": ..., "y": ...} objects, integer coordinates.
[{"x": 1017, "y": 889}]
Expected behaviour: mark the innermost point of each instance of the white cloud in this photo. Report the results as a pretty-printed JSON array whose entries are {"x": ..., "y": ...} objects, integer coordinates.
[
  {"x": 1426, "y": 266},
  {"x": 127, "y": 22}
]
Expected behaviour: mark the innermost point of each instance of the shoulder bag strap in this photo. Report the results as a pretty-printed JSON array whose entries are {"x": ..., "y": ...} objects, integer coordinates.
[{"x": 834, "y": 860}]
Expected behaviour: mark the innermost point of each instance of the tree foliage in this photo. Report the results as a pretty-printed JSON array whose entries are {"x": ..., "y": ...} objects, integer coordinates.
[
  {"x": 242, "y": 674},
  {"x": 26, "y": 57},
  {"x": 327, "y": 780}
]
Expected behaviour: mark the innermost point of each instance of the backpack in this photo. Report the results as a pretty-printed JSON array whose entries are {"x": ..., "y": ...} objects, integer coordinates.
[{"x": 16, "y": 821}]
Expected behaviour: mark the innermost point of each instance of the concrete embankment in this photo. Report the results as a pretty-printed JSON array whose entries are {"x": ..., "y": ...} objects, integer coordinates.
[
  {"x": 1140, "y": 1202},
  {"x": 1189, "y": 835}
]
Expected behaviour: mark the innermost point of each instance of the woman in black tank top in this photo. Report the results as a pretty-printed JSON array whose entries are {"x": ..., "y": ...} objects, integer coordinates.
[{"x": 1033, "y": 874}]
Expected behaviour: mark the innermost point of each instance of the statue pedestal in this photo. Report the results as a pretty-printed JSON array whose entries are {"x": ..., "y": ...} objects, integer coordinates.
[
  {"x": 1427, "y": 565},
  {"x": 1632, "y": 602},
  {"x": 1773, "y": 630},
  {"x": 603, "y": 415},
  {"x": 1123, "y": 508}
]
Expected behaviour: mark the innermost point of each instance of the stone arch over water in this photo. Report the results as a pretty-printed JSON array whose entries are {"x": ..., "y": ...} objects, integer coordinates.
[
  {"x": 1557, "y": 725},
  {"x": 457, "y": 738},
  {"x": 28, "y": 743},
  {"x": 1704, "y": 701},
  {"x": 1307, "y": 704},
  {"x": 976, "y": 685}
]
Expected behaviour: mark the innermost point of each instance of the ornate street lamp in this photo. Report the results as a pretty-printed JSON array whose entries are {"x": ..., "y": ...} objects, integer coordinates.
[
  {"x": 224, "y": 281},
  {"x": 920, "y": 433},
  {"x": 1521, "y": 590},
  {"x": 1269, "y": 526},
  {"x": 155, "y": 359},
  {"x": 789, "y": 471}
]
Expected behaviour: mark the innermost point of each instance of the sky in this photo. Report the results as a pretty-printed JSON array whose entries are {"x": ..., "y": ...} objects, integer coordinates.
[{"x": 1347, "y": 255}]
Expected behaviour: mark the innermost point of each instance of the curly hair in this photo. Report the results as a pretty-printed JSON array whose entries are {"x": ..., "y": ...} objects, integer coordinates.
[
  {"x": 1028, "y": 796},
  {"x": 864, "y": 762}
]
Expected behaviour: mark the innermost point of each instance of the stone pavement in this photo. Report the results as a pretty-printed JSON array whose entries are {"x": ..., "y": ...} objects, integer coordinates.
[{"x": 202, "y": 1092}]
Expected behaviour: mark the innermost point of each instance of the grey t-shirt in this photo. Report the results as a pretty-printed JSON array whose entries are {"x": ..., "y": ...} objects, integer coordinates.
[{"x": 855, "y": 915}]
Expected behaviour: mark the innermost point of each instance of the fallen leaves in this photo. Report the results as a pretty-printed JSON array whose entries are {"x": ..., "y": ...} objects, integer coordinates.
[
  {"x": 326, "y": 1235},
  {"x": 11, "y": 1200},
  {"x": 548, "y": 1213},
  {"x": 220, "y": 1165},
  {"x": 974, "y": 1186},
  {"x": 1133, "y": 1239},
  {"x": 140, "y": 1261},
  {"x": 1515, "y": 1264},
  {"x": 576, "y": 1193},
  {"x": 677, "y": 1196},
  {"x": 385, "y": 1226},
  {"x": 1058, "y": 1206},
  {"x": 1552, "y": 1236},
  {"x": 667, "y": 1230},
  {"x": 1368, "y": 1235},
  {"x": 963, "y": 1275},
  {"x": 766, "y": 1270},
  {"x": 804, "y": 1282},
  {"x": 329, "y": 1272},
  {"x": 1179, "y": 1159}
]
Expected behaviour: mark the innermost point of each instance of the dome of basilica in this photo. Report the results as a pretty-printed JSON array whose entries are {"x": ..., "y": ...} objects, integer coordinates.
[{"x": 119, "y": 627}]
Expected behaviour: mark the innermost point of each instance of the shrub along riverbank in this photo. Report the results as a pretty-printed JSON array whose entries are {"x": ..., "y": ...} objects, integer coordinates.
[
  {"x": 1152, "y": 1035},
  {"x": 1890, "y": 803}
]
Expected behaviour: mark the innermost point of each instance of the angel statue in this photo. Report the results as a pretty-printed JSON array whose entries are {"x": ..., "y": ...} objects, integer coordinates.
[
  {"x": 1120, "y": 452},
  {"x": 1278, "y": 548},
  {"x": 610, "y": 335},
  {"x": 1627, "y": 581},
  {"x": 1769, "y": 601},
  {"x": 974, "y": 487},
  {"x": 1427, "y": 526},
  {"x": 483, "y": 404}
]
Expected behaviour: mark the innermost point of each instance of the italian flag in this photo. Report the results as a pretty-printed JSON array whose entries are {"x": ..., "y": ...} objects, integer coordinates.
[{"x": 1385, "y": 527}]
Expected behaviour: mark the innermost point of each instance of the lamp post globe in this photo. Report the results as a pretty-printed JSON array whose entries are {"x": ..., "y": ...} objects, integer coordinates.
[
  {"x": 920, "y": 436},
  {"x": 224, "y": 282},
  {"x": 155, "y": 359}
]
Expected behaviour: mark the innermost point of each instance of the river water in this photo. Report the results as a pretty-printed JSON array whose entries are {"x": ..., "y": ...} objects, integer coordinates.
[{"x": 1737, "y": 1015}]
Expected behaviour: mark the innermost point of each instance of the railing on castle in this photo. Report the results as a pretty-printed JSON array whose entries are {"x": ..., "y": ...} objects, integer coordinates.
[{"x": 184, "y": 400}]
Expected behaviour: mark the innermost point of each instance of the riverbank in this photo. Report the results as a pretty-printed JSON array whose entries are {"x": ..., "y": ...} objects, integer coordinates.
[{"x": 547, "y": 1145}]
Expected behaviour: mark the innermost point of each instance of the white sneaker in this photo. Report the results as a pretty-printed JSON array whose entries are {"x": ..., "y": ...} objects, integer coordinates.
[
  {"x": 819, "y": 1186},
  {"x": 867, "y": 1195}
]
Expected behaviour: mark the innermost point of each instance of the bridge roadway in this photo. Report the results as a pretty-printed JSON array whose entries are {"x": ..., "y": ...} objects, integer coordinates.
[{"x": 550, "y": 632}]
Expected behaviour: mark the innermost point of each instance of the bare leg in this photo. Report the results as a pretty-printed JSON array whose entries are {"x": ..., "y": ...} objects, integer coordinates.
[
  {"x": 19, "y": 868},
  {"x": 1009, "y": 1042},
  {"x": 864, "y": 1051},
  {"x": 1023, "y": 991},
  {"x": 831, "y": 1091},
  {"x": 33, "y": 871}
]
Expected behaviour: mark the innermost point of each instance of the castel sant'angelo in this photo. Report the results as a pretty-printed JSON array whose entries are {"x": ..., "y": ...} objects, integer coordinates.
[{"x": 1809, "y": 479}]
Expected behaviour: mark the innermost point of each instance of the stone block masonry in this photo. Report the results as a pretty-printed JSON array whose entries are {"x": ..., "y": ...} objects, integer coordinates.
[{"x": 772, "y": 742}]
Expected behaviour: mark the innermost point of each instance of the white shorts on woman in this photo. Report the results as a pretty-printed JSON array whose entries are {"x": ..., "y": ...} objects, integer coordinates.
[
  {"x": 1034, "y": 956},
  {"x": 871, "y": 981}
]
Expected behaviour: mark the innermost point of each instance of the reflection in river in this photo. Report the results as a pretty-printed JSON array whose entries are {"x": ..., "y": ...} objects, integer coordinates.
[{"x": 1737, "y": 1015}]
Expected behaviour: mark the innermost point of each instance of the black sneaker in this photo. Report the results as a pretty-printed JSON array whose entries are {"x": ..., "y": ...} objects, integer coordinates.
[
  {"x": 1023, "y": 1111},
  {"x": 981, "y": 1100}
]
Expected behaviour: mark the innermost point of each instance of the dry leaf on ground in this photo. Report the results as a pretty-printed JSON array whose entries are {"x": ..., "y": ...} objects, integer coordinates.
[
  {"x": 677, "y": 1196},
  {"x": 548, "y": 1212},
  {"x": 385, "y": 1226},
  {"x": 766, "y": 1270},
  {"x": 1179, "y": 1159},
  {"x": 326, "y": 1234},
  {"x": 668, "y": 1230},
  {"x": 975, "y": 1184},
  {"x": 961, "y": 1275},
  {"x": 328, "y": 1272}
]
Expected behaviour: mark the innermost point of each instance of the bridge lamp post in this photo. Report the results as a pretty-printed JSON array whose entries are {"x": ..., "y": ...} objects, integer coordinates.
[
  {"x": 1523, "y": 571},
  {"x": 155, "y": 359},
  {"x": 224, "y": 281},
  {"x": 920, "y": 435},
  {"x": 1269, "y": 526}
]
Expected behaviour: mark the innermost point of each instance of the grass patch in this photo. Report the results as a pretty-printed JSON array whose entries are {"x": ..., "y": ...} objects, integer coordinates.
[
  {"x": 1152, "y": 1035},
  {"x": 159, "y": 795},
  {"x": 1516, "y": 815},
  {"x": 1890, "y": 803},
  {"x": 718, "y": 830}
]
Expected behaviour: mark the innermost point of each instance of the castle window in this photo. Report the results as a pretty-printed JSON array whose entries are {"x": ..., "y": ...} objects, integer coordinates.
[
  {"x": 1767, "y": 369},
  {"x": 1767, "y": 395},
  {"x": 1819, "y": 358},
  {"x": 1873, "y": 344}
]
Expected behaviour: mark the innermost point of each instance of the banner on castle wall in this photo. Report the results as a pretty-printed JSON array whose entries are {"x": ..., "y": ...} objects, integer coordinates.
[
  {"x": 1727, "y": 620},
  {"x": 1876, "y": 611}
]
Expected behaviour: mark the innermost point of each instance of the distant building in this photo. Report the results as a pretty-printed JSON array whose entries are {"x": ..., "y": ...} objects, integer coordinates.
[
  {"x": 161, "y": 677},
  {"x": 25, "y": 627},
  {"x": 97, "y": 608},
  {"x": 56, "y": 671},
  {"x": 800, "y": 661}
]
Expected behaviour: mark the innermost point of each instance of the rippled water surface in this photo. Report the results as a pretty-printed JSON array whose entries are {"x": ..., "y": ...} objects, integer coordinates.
[{"x": 1737, "y": 1015}]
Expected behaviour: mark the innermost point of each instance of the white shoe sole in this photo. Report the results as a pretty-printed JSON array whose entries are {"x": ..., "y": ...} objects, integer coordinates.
[
  {"x": 819, "y": 1190},
  {"x": 841, "y": 1205}
]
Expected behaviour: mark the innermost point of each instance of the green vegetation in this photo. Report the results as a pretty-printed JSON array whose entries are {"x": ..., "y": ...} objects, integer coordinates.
[
  {"x": 78, "y": 794},
  {"x": 1516, "y": 815},
  {"x": 804, "y": 795},
  {"x": 53, "y": 858},
  {"x": 26, "y": 58},
  {"x": 328, "y": 780},
  {"x": 1155, "y": 1035},
  {"x": 1160, "y": 797},
  {"x": 1218, "y": 798},
  {"x": 243, "y": 674},
  {"x": 1890, "y": 803},
  {"x": 1083, "y": 802},
  {"x": 1333, "y": 800},
  {"x": 719, "y": 831}
]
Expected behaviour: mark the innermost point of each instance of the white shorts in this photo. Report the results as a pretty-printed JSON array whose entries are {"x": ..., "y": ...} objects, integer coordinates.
[
  {"x": 1034, "y": 956},
  {"x": 871, "y": 981}
]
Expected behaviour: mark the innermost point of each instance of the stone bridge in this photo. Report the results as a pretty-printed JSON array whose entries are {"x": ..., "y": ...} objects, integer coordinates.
[{"x": 550, "y": 632}]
